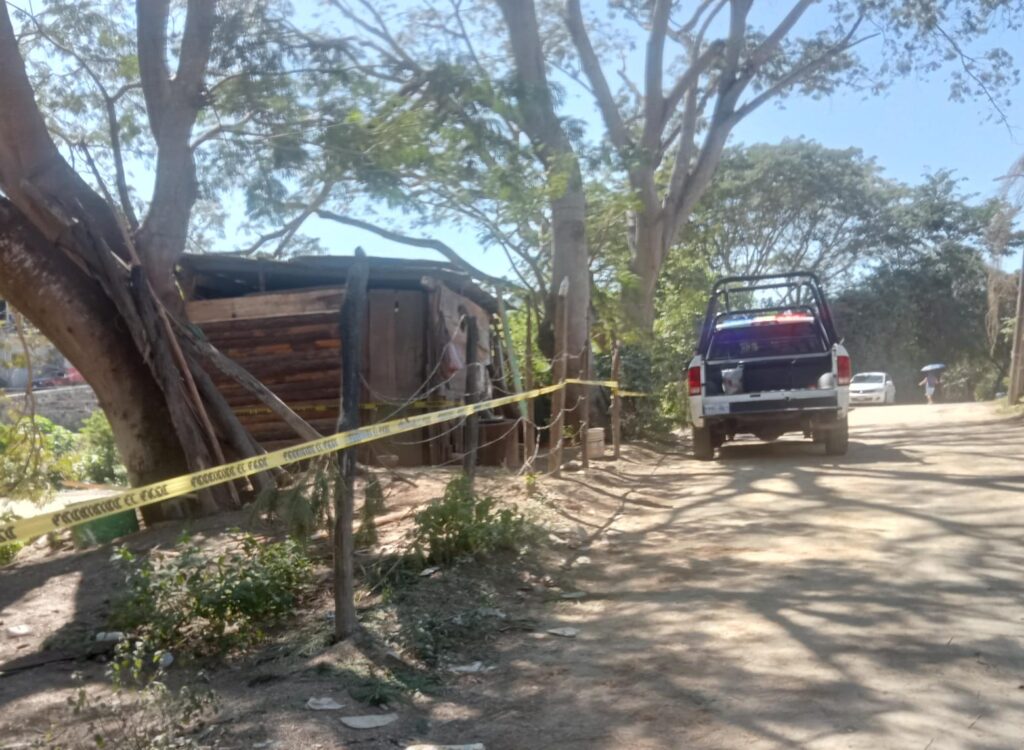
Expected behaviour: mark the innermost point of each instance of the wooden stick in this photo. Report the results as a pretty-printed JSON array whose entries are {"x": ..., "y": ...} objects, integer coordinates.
[
  {"x": 585, "y": 405},
  {"x": 244, "y": 378},
  {"x": 529, "y": 432},
  {"x": 353, "y": 312},
  {"x": 473, "y": 388},
  {"x": 560, "y": 363},
  {"x": 616, "y": 402}
]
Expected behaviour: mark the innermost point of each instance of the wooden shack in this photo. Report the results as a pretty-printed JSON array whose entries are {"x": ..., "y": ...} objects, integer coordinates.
[{"x": 279, "y": 320}]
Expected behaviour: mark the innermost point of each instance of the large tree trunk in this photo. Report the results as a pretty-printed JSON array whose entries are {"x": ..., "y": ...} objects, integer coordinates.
[
  {"x": 74, "y": 313},
  {"x": 570, "y": 260},
  {"x": 133, "y": 274},
  {"x": 648, "y": 257}
]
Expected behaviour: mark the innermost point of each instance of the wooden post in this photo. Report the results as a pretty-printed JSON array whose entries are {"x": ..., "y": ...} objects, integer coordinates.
[
  {"x": 474, "y": 386},
  {"x": 529, "y": 432},
  {"x": 513, "y": 358},
  {"x": 616, "y": 402},
  {"x": 585, "y": 406},
  {"x": 1017, "y": 356},
  {"x": 559, "y": 366},
  {"x": 353, "y": 313}
]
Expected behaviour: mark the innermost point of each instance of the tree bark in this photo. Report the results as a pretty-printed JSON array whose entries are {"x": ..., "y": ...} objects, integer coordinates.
[
  {"x": 570, "y": 259},
  {"x": 85, "y": 235},
  {"x": 34, "y": 277},
  {"x": 353, "y": 313},
  {"x": 172, "y": 104}
]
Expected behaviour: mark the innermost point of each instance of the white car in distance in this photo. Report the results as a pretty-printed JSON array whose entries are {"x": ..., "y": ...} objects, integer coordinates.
[{"x": 872, "y": 388}]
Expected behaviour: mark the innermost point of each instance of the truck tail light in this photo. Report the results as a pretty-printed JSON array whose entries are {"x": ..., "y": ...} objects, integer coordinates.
[
  {"x": 694, "y": 377},
  {"x": 843, "y": 370}
]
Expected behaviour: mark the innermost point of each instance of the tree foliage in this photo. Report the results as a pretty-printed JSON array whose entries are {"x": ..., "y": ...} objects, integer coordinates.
[{"x": 798, "y": 204}]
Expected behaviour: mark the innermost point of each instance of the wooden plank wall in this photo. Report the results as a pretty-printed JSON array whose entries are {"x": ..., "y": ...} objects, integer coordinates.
[{"x": 290, "y": 342}]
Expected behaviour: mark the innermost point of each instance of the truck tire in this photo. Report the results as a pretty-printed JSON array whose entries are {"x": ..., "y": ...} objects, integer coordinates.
[
  {"x": 703, "y": 445},
  {"x": 837, "y": 440}
]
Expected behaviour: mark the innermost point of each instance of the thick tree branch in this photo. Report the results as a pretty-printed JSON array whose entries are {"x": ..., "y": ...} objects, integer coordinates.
[
  {"x": 152, "y": 17},
  {"x": 196, "y": 41},
  {"x": 436, "y": 245},
  {"x": 113, "y": 125},
  {"x": 687, "y": 81},
  {"x": 654, "y": 64},
  {"x": 767, "y": 48},
  {"x": 163, "y": 235},
  {"x": 591, "y": 65}
]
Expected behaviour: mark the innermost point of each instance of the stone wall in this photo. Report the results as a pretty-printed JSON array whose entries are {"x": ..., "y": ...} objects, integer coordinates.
[{"x": 68, "y": 406}]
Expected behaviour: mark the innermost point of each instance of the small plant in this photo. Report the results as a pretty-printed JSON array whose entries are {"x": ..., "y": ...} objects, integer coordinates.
[
  {"x": 35, "y": 454},
  {"x": 366, "y": 534},
  {"x": 211, "y": 603},
  {"x": 305, "y": 506},
  {"x": 377, "y": 690},
  {"x": 142, "y": 714},
  {"x": 532, "y": 485},
  {"x": 97, "y": 457},
  {"x": 373, "y": 505},
  {"x": 374, "y": 502},
  {"x": 9, "y": 550},
  {"x": 463, "y": 523}
]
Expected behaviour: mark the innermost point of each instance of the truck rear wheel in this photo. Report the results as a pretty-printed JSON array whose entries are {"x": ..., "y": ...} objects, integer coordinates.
[
  {"x": 837, "y": 440},
  {"x": 703, "y": 445}
]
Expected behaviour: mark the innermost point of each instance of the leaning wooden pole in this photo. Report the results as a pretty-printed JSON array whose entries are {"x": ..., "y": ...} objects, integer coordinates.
[
  {"x": 559, "y": 368},
  {"x": 616, "y": 403},
  {"x": 510, "y": 349},
  {"x": 474, "y": 387},
  {"x": 353, "y": 313}
]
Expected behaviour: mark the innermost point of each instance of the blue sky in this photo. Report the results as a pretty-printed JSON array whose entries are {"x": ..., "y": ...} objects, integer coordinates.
[{"x": 911, "y": 129}]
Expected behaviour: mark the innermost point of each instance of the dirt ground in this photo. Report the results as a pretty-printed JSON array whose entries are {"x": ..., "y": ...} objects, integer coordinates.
[{"x": 776, "y": 598}]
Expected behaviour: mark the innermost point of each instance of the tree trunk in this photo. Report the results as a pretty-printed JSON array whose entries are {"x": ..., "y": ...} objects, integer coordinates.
[
  {"x": 34, "y": 277},
  {"x": 568, "y": 213},
  {"x": 570, "y": 259},
  {"x": 84, "y": 235},
  {"x": 649, "y": 251}
]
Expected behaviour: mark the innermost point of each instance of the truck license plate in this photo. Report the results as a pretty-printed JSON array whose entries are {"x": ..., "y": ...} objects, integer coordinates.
[{"x": 712, "y": 409}]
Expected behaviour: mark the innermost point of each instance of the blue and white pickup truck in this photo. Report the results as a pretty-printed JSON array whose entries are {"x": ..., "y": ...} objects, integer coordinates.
[{"x": 769, "y": 362}]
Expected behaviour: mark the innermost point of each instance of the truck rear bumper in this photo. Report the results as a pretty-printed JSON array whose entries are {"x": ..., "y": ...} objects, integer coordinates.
[{"x": 794, "y": 409}]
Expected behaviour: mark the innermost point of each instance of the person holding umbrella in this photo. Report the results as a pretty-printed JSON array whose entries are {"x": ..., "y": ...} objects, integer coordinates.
[{"x": 932, "y": 381}]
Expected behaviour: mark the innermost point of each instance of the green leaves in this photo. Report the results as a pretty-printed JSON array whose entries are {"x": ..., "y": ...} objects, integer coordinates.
[
  {"x": 463, "y": 524},
  {"x": 210, "y": 602}
]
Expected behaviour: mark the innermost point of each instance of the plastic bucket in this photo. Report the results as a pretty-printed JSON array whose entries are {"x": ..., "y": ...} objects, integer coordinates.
[
  {"x": 595, "y": 442},
  {"x": 103, "y": 530}
]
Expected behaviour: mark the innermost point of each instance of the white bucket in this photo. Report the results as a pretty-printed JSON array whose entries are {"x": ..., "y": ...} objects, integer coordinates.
[{"x": 595, "y": 442}]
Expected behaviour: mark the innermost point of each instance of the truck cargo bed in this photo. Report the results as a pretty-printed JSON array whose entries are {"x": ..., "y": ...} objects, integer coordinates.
[{"x": 783, "y": 374}]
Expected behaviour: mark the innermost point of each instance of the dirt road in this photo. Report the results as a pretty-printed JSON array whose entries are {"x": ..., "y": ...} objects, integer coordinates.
[{"x": 781, "y": 599}]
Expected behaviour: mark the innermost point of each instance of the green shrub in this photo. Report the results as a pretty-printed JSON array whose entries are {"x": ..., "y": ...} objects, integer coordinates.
[
  {"x": 9, "y": 550},
  {"x": 373, "y": 503},
  {"x": 97, "y": 458},
  {"x": 305, "y": 506},
  {"x": 35, "y": 454},
  {"x": 143, "y": 713},
  {"x": 211, "y": 603},
  {"x": 464, "y": 524}
]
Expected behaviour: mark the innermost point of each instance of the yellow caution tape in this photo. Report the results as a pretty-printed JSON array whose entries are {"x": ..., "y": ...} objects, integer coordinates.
[
  {"x": 633, "y": 394},
  {"x": 252, "y": 411},
  {"x": 28, "y": 528}
]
